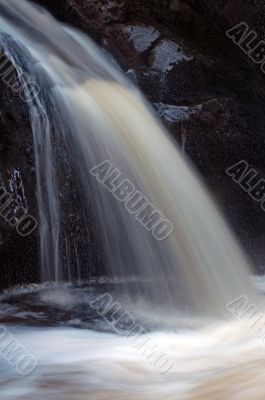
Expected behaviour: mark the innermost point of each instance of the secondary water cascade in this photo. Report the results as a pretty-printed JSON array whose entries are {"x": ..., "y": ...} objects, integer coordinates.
[{"x": 99, "y": 116}]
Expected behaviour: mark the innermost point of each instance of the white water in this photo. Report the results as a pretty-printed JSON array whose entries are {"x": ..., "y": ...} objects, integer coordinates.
[
  {"x": 199, "y": 268},
  {"x": 196, "y": 271},
  {"x": 224, "y": 360},
  {"x": 220, "y": 363}
]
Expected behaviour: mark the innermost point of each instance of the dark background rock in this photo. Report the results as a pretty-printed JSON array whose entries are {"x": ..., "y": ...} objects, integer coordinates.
[
  {"x": 19, "y": 258},
  {"x": 206, "y": 91}
]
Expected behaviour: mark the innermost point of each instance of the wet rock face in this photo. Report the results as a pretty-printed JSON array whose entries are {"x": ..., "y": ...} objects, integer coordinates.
[
  {"x": 209, "y": 96},
  {"x": 206, "y": 91},
  {"x": 231, "y": 12},
  {"x": 18, "y": 254},
  {"x": 203, "y": 88}
]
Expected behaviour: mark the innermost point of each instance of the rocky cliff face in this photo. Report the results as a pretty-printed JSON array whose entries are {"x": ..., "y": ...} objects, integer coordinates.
[
  {"x": 206, "y": 91},
  {"x": 18, "y": 253},
  {"x": 204, "y": 88}
]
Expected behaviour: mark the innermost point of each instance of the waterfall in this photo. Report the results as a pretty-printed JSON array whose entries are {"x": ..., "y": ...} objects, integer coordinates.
[{"x": 89, "y": 108}]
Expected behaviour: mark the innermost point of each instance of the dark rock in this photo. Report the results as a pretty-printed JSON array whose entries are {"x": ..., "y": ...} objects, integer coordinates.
[
  {"x": 207, "y": 92},
  {"x": 19, "y": 260}
]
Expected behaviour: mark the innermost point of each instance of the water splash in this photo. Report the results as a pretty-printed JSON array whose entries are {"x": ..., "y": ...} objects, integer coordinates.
[{"x": 101, "y": 116}]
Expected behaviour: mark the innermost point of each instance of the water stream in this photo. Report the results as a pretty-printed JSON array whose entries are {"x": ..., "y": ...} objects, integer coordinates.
[{"x": 89, "y": 110}]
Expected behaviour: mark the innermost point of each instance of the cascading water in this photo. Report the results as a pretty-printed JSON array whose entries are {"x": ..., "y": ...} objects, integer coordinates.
[
  {"x": 98, "y": 116},
  {"x": 87, "y": 113}
]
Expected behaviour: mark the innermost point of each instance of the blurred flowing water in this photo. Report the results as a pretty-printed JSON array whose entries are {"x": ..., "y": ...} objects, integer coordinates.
[
  {"x": 177, "y": 288},
  {"x": 80, "y": 356}
]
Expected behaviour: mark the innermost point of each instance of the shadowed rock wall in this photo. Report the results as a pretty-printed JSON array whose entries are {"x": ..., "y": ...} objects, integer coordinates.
[{"x": 206, "y": 91}]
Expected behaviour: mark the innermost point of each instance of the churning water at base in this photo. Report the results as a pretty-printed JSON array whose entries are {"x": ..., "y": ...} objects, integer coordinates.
[
  {"x": 214, "y": 364},
  {"x": 219, "y": 362},
  {"x": 88, "y": 109}
]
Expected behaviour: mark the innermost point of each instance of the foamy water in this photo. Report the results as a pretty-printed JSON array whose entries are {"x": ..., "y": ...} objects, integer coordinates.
[
  {"x": 98, "y": 116},
  {"x": 224, "y": 362}
]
